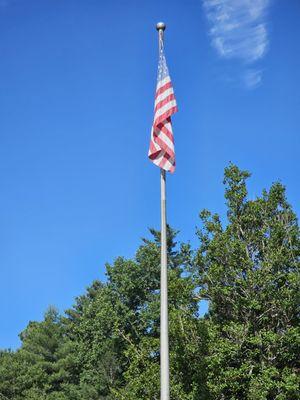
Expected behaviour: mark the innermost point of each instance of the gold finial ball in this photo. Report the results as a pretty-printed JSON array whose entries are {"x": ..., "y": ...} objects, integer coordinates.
[{"x": 160, "y": 26}]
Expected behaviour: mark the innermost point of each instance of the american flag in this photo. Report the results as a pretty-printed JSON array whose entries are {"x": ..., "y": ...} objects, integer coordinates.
[{"x": 161, "y": 150}]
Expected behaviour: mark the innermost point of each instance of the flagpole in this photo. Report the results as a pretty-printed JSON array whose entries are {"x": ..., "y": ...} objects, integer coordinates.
[{"x": 164, "y": 328}]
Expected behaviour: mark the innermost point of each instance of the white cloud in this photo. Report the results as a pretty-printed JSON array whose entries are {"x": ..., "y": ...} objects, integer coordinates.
[
  {"x": 252, "y": 78},
  {"x": 238, "y": 30}
]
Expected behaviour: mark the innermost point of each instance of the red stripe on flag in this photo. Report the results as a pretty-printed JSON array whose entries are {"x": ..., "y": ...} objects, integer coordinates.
[
  {"x": 165, "y": 115},
  {"x": 163, "y": 88},
  {"x": 164, "y": 101},
  {"x": 163, "y": 145}
]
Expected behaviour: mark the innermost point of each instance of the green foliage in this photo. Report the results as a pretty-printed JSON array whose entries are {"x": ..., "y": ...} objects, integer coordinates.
[
  {"x": 107, "y": 345},
  {"x": 249, "y": 271},
  {"x": 43, "y": 365},
  {"x": 186, "y": 333}
]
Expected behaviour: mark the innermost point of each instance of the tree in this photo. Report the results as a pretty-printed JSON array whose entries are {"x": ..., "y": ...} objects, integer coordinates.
[
  {"x": 187, "y": 333},
  {"x": 249, "y": 272},
  {"x": 106, "y": 347},
  {"x": 43, "y": 367},
  {"x": 116, "y": 326}
]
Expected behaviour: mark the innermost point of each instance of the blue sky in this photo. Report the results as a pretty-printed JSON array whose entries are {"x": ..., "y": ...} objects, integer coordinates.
[{"x": 77, "y": 81}]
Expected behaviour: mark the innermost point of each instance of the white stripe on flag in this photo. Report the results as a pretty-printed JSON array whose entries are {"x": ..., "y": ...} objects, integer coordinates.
[
  {"x": 163, "y": 82},
  {"x": 164, "y": 109},
  {"x": 164, "y": 95}
]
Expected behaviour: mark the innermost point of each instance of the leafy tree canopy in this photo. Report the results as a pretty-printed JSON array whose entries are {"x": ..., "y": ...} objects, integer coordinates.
[{"x": 106, "y": 346}]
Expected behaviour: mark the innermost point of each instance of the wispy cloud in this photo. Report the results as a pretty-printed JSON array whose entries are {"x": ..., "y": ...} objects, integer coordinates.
[
  {"x": 238, "y": 31},
  {"x": 252, "y": 78}
]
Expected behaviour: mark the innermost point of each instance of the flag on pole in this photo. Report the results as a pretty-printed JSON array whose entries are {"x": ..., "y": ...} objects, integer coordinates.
[{"x": 161, "y": 150}]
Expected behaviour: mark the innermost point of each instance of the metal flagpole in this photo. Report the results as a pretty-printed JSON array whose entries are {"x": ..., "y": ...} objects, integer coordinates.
[{"x": 164, "y": 329}]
